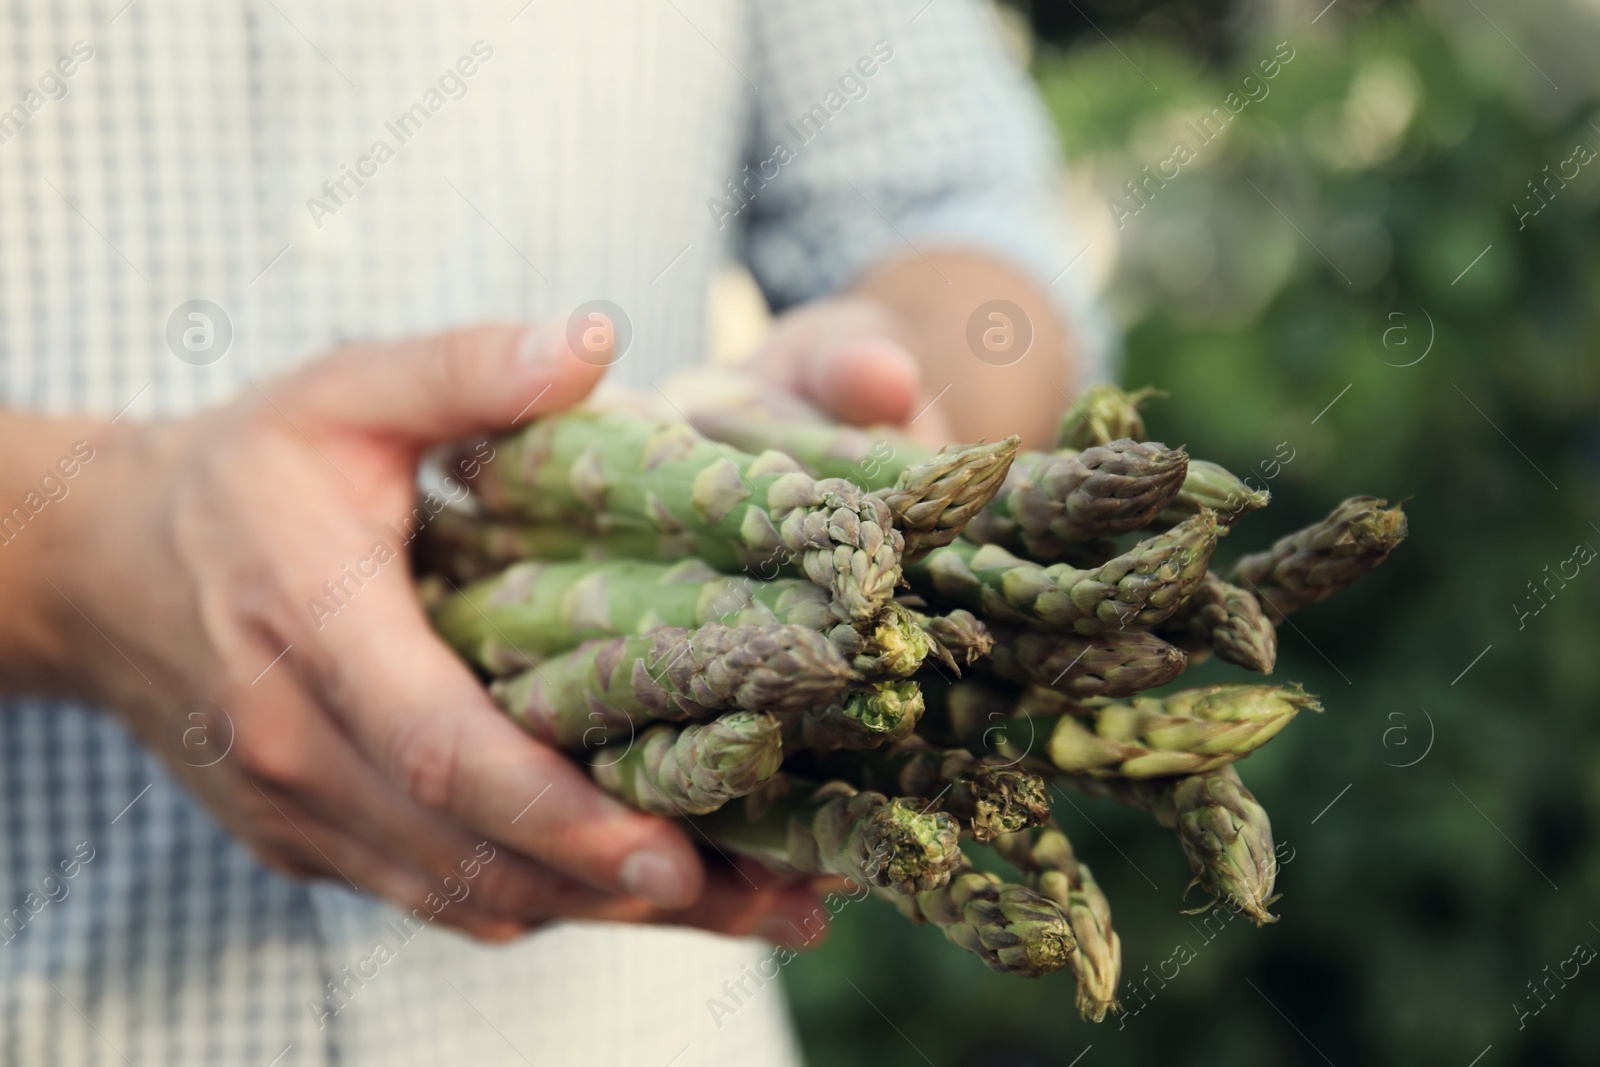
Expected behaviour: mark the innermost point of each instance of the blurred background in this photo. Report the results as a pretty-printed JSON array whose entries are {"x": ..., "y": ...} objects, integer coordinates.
[{"x": 1386, "y": 265}]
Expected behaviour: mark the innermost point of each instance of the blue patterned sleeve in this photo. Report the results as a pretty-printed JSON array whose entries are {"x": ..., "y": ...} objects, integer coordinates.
[{"x": 886, "y": 128}]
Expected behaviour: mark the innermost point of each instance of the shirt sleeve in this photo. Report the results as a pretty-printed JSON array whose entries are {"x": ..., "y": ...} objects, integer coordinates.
[{"x": 882, "y": 131}]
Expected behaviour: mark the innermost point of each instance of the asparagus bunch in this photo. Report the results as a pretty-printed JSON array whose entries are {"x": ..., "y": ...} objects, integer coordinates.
[{"x": 840, "y": 652}]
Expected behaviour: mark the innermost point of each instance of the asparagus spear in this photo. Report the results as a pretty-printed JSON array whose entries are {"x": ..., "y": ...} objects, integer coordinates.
[
  {"x": 604, "y": 471},
  {"x": 897, "y": 844},
  {"x": 879, "y": 714},
  {"x": 1103, "y": 413},
  {"x": 694, "y": 769},
  {"x": 465, "y": 548},
  {"x": 1210, "y": 485},
  {"x": 933, "y": 500},
  {"x": 959, "y": 638},
  {"x": 1117, "y": 664},
  {"x": 1052, "y": 501},
  {"x": 537, "y": 609},
  {"x": 1227, "y": 620},
  {"x": 1228, "y": 838},
  {"x": 604, "y": 689},
  {"x": 1148, "y": 737},
  {"x": 931, "y": 494},
  {"x": 1011, "y": 928},
  {"x": 1317, "y": 561},
  {"x": 1045, "y": 857},
  {"x": 1133, "y": 591},
  {"x": 1224, "y": 832},
  {"x": 987, "y": 798}
]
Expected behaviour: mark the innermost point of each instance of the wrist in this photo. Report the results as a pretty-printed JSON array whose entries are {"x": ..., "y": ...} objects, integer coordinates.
[{"x": 52, "y": 495}]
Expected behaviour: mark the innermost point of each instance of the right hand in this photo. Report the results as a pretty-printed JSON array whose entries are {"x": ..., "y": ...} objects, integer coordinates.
[{"x": 191, "y": 556}]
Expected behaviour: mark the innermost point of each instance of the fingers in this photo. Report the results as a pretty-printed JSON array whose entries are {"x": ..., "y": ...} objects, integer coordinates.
[
  {"x": 294, "y": 841},
  {"x": 431, "y": 389},
  {"x": 309, "y": 759},
  {"x": 419, "y": 716},
  {"x": 784, "y": 914},
  {"x": 863, "y": 380},
  {"x": 846, "y": 357}
]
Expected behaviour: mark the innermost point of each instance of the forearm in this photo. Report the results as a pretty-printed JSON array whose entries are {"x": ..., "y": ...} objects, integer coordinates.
[
  {"x": 47, "y": 463},
  {"x": 932, "y": 300}
]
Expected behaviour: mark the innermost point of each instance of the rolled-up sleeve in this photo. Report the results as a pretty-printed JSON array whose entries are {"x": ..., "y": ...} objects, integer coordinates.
[{"x": 882, "y": 130}]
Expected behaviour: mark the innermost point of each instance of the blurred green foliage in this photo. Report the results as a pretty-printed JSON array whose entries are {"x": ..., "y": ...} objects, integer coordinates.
[{"x": 1307, "y": 257}]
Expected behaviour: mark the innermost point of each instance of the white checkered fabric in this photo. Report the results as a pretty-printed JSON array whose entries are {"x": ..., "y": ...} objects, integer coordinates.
[{"x": 580, "y": 158}]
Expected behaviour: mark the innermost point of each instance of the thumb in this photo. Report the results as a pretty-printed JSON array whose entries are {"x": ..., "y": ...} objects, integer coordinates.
[
  {"x": 862, "y": 380},
  {"x": 449, "y": 385},
  {"x": 843, "y": 356}
]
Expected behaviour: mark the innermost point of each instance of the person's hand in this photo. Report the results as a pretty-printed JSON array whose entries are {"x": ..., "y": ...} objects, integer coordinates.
[
  {"x": 254, "y": 557},
  {"x": 900, "y": 350},
  {"x": 849, "y": 358}
]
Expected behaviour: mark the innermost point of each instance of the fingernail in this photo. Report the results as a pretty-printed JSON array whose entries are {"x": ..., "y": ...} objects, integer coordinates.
[
  {"x": 654, "y": 877},
  {"x": 539, "y": 345}
]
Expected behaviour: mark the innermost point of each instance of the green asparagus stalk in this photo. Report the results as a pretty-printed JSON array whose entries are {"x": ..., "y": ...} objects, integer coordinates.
[
  {"x": 1210, "y": 485},
  {"x": 1011, "y": 928},
  {"x": 1227, "y": 620},
  {"x": 931, "y": 494},
  {"x": 1104, "y": 413},
  {"x": 987, "y": 798},
  {"x": 1117, "y": 664},
  {"x": 1052, "y": 501},
  {"x": 602, "y": 471},
  {"x": 1228, "y": 838},
  {"x": 1045, "y": 857},
  {"x": 1190, "y": 732},
  {"x": 899, "y": 844},
  {"x": 1133, "y": 591},
  {"x": 464, "y": 548},
  {"x": 933, "y": 500},
  {"x": 959, "y": 638},
  {"x": 878, "y": 714},
  {"x": 1317, "y": 561},
  {"x": 603, "y": 690},
  {"x": 1224, "y": 832},
  {"x": 694, "y": 769},
  {"x": 537, "y": 609}
]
